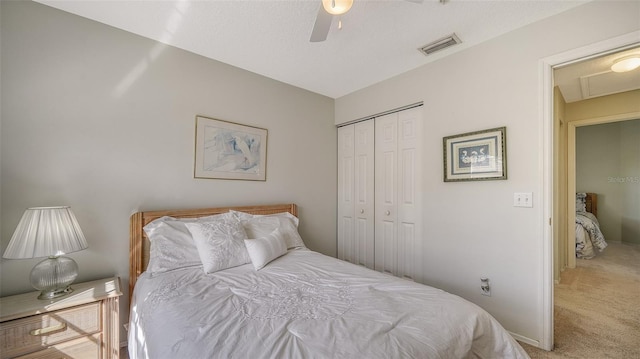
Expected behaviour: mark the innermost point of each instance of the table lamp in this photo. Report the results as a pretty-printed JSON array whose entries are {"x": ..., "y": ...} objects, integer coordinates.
[{"x": 48, "y": 232}]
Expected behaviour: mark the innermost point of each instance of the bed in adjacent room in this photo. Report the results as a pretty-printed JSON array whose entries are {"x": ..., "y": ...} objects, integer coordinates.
[
  {"x": 589, "y": 237},
  {"x": 201, "y": 289}
]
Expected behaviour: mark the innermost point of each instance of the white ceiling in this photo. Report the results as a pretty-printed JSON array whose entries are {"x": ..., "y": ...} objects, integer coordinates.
[
  {"x": 379, "y": 39},
  {"x": 594, "y": 78}
]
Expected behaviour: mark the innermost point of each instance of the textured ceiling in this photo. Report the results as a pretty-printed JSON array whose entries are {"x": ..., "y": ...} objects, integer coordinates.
[
  {"x": 594, "y": 78},
  {"x": 378, "y": 39}
]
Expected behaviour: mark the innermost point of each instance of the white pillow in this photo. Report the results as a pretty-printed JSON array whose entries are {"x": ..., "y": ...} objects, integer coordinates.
[
  {"x": 265, "y": 249},
  {"x": 258, "y": 226},
  {"x": 172, "y": 246},
  {"x": 220, "y": 243},
  {"x": 245, "y": 216}
]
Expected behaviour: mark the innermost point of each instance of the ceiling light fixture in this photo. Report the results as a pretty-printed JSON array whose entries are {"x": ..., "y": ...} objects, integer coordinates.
[
  {"x": 337, "y": 7},
  {"x": 625, "y": 64}
]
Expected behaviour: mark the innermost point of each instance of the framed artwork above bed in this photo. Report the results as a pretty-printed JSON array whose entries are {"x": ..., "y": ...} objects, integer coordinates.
[
  {"x": 476, "y": 156},
  {"x": 227, "y": 150}
]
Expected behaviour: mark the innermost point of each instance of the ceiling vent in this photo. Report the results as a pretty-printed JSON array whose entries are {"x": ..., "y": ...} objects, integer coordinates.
[{"x": 440, "y": 44}]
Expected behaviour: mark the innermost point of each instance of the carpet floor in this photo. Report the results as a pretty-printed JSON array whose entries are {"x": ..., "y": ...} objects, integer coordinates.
[{"x": 597, "y": 307}]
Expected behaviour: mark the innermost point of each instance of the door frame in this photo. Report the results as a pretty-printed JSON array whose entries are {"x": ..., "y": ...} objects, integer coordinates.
[
  {"x": 571, "y": 172},
  {"x": 546, "y": 86}
]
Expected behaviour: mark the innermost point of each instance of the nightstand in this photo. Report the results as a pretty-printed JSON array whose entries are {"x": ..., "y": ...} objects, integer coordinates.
[{"x": 83, "y": 324}]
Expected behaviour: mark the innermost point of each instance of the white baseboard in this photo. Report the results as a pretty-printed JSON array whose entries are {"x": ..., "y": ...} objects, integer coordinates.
[{"x": 524, "y": 339}]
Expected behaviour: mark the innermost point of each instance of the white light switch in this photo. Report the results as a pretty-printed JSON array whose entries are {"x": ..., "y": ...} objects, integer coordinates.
[{"x": 523, "y": 199}]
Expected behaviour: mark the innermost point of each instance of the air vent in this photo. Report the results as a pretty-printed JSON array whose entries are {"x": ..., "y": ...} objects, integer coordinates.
[{"x": 441, "y": 44}]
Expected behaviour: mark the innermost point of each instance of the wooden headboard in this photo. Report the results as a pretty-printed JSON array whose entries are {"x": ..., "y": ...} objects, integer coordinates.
[
  {"x": 591, "y": 203},
  {"x": 139, "y": 244}
]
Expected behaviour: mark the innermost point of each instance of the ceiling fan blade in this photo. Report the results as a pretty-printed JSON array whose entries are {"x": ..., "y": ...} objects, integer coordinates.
[{"x": 322, "y": 26}]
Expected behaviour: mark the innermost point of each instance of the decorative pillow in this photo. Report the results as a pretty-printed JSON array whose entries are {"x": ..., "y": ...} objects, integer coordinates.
[
  {"x": 220, "y": 243},
  {"x": 258, "y": 226},
  {"x": 265, "y": 249},
  {"x": 171, "y": 244}
]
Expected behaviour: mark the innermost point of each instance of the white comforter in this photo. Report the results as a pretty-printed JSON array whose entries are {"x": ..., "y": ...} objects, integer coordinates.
[{"x": 306, "y": 305}]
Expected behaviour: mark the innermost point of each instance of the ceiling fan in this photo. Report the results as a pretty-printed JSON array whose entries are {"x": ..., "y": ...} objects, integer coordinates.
[{"x": 328, "y": 10}]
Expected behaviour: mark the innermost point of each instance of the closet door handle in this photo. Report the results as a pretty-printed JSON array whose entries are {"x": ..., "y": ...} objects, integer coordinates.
[
  {"x": 362, "y": 211},
  {"x": 387, "y": 213}
]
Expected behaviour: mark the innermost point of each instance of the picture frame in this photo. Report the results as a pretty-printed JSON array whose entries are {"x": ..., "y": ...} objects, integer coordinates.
[
  {"x": 228, "y": 150},
  {"x": 476, "y": 156}
]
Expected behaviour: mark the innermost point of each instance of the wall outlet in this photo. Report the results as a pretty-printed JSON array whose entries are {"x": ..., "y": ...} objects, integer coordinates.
[
  {"x": 485, "y": 289},
  {"x": 523, "y": 199}
]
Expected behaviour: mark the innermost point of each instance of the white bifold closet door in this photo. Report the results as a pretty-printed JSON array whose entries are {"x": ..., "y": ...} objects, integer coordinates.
[
  {"x": 379, "y": 206},
  {"x": 398, "y": 176},
  {"x": 356, "y": 193}
]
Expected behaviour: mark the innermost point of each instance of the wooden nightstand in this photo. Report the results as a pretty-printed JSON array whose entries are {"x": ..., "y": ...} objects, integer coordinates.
[{"x": 83, "y": 324}]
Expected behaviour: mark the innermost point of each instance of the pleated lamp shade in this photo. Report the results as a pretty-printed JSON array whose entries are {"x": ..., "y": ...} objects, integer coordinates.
[{"x": 48, "y": 232}]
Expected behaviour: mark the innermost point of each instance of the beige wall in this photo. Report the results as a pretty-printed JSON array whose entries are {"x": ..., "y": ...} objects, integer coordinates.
[
  {"x": 625, "y": 102},
  {"x": 104, "y": 121},
  {"x": 630, "y": 173},
  {"x": 603, "y": 153},
  {"x": 608, "y": 163},
  {"x": 496, "y": 83}
]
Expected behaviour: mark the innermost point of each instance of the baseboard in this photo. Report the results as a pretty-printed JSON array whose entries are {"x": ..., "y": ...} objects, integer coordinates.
[{"x": 524, "y": 339}]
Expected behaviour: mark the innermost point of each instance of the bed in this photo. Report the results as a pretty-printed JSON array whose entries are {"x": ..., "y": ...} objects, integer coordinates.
[
  {"x": 300, "y": 304},
  {"x": 589, "y": 237}
]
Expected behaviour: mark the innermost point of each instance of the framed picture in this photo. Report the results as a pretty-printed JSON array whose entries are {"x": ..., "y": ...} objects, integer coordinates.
[
  {"x": 476, "y": 156},
  {"x": 226, "y": 150}
]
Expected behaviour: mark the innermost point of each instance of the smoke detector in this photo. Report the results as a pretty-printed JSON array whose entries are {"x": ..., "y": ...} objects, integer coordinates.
[{"x": 440, "y": 44}]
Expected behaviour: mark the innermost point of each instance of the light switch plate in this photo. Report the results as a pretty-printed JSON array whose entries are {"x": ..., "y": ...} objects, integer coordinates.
[{"x": 523, "y": 199}]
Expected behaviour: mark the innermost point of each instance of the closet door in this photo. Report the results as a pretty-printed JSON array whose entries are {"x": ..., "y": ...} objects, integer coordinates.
[
  {"x": 410, "y": 236},
  {"x": 398, "y": 198},
  {"x": 356, "y": 193},
  {"x": 346, "y": 186},
  {"x": 386, "y": 218}
]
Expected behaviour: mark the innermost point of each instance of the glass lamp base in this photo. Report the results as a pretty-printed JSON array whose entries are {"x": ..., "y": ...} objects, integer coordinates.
[{"x": 53, "y": 276}]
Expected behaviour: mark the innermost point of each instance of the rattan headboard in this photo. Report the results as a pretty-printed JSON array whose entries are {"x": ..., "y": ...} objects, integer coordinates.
[{"x": 139, "y": 243}]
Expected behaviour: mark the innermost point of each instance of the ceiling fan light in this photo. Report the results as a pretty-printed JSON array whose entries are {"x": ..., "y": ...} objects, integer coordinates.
[
  {"x": 337, "y": 7},
  {"x": 626, "y": 64}
]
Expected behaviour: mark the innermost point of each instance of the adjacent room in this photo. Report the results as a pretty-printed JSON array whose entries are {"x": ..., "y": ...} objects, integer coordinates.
[
  {"x": 596, "y": 155},
  {"x": 375, "y": 173}
]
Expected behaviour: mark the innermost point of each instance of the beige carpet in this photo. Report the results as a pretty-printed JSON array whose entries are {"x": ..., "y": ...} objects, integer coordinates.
[{"x": 597, "y": 307}]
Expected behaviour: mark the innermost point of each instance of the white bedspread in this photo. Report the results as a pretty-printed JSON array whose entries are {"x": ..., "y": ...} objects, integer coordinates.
[{"x": 306, "y": 305}]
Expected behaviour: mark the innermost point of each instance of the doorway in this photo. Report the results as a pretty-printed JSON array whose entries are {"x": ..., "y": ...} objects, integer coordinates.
[{"x": 551, "y": 200}]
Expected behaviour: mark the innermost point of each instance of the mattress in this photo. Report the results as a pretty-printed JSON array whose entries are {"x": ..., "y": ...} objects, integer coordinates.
[{"x": 306, "y": 305}]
